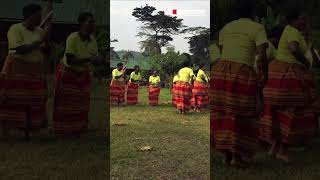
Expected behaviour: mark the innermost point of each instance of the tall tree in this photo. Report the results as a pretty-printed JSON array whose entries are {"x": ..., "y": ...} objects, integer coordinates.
[
  {"x": 157, "y": 28},
  {"x": 198, "y": 44}
]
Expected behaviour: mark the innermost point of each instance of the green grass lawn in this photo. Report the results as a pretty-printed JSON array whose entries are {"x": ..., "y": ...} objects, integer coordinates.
[
  {"x": 305, "y": 166},
  {"x": 180, "y": 143},
  {"x": 45, "y": 157}
]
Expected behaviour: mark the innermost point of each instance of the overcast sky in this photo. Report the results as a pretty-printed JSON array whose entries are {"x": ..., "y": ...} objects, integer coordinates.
[{"x": 124, "y": 27}]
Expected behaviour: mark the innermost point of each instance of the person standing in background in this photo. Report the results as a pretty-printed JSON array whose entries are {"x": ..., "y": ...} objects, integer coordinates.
[
  {"x": 117, "y": 86},
  {"x": 73, "y": 80},
  {"x": 154, "y": 89},
  {"x": 234, "y": 84},
  {"x": 183, "y": 90},
  {"x": 25, "y": 87},
  {"x": 133, "y": 86},
  {"x": 200, "y": 96}
]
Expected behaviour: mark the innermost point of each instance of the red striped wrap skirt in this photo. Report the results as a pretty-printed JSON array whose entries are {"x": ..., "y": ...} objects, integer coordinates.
[
  {"x": 200, "y": 95},
  {"x": 154, "y": 93},
  {"x": 132, "y": 94},
  {"x": 183, "y": 95}
]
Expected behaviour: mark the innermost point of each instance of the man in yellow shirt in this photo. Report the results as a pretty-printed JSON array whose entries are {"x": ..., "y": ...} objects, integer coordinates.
[
  {"x": 234, "y": 85},
  {"x": 200, "y": 96},
  {"x": 154, "y": 89},
  {"x": 289, "y": 91},
  {"x": 73, "y": 79},
  {"x": 183, "y": 88},
  {"x": 133, "y": 86},
  {"x": 117, "y": 86},
  {"x": 26, "y": 86}
]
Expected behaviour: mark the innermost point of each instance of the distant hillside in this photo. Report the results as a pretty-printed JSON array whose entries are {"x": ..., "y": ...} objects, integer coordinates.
[{"x": 138, "y": 59}]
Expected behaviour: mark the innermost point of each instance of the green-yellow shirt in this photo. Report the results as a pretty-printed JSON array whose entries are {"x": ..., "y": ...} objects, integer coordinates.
[
  {"x": 215, "y": 54},
  {"x": 116, "y": 73},
  {"x": 80, "y": 49},
  {"x": 239, "y": 40},
  {"x": 200, "y": 74},
  {"x": 135, "y": 77},
  {"x": 290, "y": 34},
  {"x": 19, "y": 35},
  {"x": 185, "y": 74},
  {"x": 154, "y": 80}
]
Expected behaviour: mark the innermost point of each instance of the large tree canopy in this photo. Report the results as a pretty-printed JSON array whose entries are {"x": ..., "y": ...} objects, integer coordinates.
[{"x": 157, "y": 28}]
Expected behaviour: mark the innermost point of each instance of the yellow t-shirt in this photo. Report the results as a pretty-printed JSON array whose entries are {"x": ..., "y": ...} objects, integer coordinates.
[
  {"x": 201, "y": 73},
  {"x": 215, "y": 54},
  {"x": 175, "y": 78},
  {"x": 290, "y": 34},
  {"x": 185, "y": 74},
  {"x": 80, "y": 49},
  {"x": 154, "y": 81},
  {"x": 19, "y": 35},
  {"x": 239, "y": 40},
  {"x": 116, "y": 73},
  {"x": 135, "y": 77}
]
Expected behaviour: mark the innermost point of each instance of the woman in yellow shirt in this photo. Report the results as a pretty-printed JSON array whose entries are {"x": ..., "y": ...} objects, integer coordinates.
[
  {"x": 133, "y": 86},
  {"x": 234, "y": 84},
  {"x": 173, "y": 89},
  {"x": 200, "y": 96},
  {"x": 26, "y": 88},
  {"x": 289, "y": 93},
  {"x": 154, "y": 89},
  {"x": 183, "y": 90},
  {"x": 73, "y": 80},
  {"x": 117, "y": 86}
]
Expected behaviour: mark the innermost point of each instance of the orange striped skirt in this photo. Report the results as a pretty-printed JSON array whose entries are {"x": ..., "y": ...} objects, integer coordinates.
[
  {"x": 200, "y": 95},
  {"x": 173, "y": 95},
  {"x": 288, "y": 96},
  {"x": 71, "y": 101},
  {"x": 24, "y": 92},
  {"x": 233, "y": 95},
  {"x": 183, "y": 95},
  {"x": 154, "y": 93},
  {"x": 132, "y": 94},
  {"x": 117, "y": 92}
]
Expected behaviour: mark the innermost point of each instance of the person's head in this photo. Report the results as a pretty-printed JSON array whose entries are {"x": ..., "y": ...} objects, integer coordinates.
[
  {"x": 155, "y": 73},
  {"x": 120, "y": 66},
  {"x": 202, "y": 66},
  {"x": 136, "y": 68},
  {"x": 297, "y": 18},
  {"x": 186, "y": 64},
  {"x": 32, "y": 14},
  {"x": 87, "y": 23},
  {"x": 245, "y": 9},
  {"x": 274, "y": 35}
]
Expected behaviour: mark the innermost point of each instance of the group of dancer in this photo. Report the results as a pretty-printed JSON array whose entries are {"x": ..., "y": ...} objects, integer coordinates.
[
  {"x": 24, "y": 87},
  {"x": 262, "y": 90},
  {"x": 187, "y": 89}
]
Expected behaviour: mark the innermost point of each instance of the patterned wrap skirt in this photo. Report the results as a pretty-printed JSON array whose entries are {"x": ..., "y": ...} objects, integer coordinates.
[
  {"x": 24, "y": 93},
  {"x": 183, "y": 95},
  {"x": 132, "y": 93},
  {"x": 117, "y": 92},
  {"x": 71, "y": 101},
  {"x": 233, "y": 98},
  {"x": 288, "y": 114},
  {"x": 200, "y": 95},
  {"x": 154, "y": 93}
]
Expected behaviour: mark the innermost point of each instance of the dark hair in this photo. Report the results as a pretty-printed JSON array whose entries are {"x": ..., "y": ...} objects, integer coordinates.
[
  {"x": 119, "y": 64},
  {"x": 136, "y": 66},
  {"x": 202, "y": 65},
  {"x": 293, "y": 14},
  {"x": 30, "y": 10},
  {"x": 245, "y": 8},
  {"x": 186, "y": 64},
  {"x": 84, "y": 16}
]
